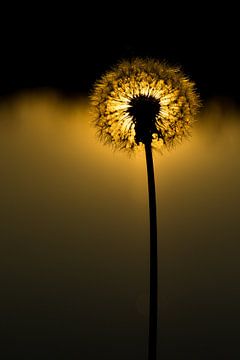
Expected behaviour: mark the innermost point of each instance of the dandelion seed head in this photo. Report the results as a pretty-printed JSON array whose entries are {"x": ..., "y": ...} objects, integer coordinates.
[{"x": 143, "y": 100}]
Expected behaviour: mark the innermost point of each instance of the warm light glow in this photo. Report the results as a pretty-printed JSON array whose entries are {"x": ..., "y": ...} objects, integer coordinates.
[
  {"x": 67, "y": 203},
  {"x": 113, "y": 94}
]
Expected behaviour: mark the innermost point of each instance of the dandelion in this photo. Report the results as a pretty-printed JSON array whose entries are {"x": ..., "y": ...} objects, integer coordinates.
[
  {"x": 141, "y": 101},
  {"x": 145, "y": 104}
]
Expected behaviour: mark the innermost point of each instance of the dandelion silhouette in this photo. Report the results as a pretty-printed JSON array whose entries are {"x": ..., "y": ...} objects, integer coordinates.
[{"x": 143, "y": 103}]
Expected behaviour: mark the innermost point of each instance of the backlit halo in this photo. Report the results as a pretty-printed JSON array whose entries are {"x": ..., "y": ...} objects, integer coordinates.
[{"x": 143, "y": 100}]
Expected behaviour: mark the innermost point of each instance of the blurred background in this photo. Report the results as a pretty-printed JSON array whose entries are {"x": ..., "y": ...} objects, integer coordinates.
[
  {"x": 74, "y": 242},
  {"x": 69, "y": 47}
]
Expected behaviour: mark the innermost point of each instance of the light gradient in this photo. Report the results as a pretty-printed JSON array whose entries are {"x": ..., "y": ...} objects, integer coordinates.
[{"x": 74, "y": 237}]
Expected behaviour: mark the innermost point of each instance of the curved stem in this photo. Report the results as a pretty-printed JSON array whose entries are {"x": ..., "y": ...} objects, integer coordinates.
[{"x": 153, "y": 296}]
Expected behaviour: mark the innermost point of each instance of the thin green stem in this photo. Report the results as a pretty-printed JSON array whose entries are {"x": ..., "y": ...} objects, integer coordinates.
[{"x": 153, "y": 295}]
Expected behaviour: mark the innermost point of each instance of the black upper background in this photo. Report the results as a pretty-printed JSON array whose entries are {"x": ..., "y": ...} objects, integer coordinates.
[{"x": 67, "y": 49}]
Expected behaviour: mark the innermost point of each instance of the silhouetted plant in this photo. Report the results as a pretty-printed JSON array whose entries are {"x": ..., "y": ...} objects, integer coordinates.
[{"x": 143, "y": 103}]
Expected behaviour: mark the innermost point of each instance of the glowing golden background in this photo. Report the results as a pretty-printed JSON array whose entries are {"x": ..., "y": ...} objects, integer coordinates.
[{"x": 74, "y": 237}]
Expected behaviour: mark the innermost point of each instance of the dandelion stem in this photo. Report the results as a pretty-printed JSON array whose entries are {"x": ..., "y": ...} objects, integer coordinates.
[{"x": 153, "y": 295}]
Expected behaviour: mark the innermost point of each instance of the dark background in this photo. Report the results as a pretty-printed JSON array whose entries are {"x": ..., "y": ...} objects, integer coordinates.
[{"x": 68, "y": 48}]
